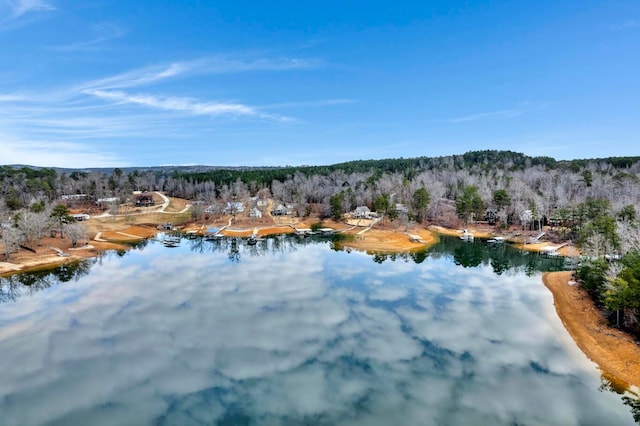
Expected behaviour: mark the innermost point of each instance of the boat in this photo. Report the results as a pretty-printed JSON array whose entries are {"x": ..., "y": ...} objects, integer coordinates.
[
  {"x": 213, "y": 237},
  {"x": 171, "y": 241},
  {"x": 496, "y": 240},
  {"x": 304, "y": 232},
  {"x": 326, "y": 231},
  {"x": 466, "y": 235}
]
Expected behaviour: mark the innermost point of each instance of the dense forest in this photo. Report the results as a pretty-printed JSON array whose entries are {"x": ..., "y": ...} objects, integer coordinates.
[{"x": 591, "y": 201}]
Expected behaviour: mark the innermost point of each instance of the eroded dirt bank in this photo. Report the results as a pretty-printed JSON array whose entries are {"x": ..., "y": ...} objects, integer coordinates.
[{"x": 615, "y": 352}]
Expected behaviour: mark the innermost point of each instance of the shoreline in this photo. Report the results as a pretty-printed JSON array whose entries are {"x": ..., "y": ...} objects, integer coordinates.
[
  {"x": 107, "y": 236},
  {"x": 47, "y": 255},
  {"x": 615, "y": 352},
  {"x": 389, "y": 241}
]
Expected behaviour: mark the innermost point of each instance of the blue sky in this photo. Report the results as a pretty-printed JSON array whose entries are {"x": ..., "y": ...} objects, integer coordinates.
[{"x": 115, "y": 83}]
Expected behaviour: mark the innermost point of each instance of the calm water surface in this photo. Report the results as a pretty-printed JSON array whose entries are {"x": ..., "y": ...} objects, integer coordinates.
[{"x": 294, "y": 333}]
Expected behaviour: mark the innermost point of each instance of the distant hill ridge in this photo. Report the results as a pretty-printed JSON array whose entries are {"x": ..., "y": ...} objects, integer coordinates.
[{"x": 486, "y": 159}]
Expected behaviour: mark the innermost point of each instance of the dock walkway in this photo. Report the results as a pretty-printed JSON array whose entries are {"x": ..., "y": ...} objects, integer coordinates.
[
  {"x": 416, "y": 238},
  {"x": 60, "y": 252}
]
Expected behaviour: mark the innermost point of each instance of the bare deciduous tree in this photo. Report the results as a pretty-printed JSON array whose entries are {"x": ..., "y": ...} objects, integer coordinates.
[
  {"x": 12, "y": 238},
  {"x": 33, "y": 226},
  {"x": 76, "y": 232}
]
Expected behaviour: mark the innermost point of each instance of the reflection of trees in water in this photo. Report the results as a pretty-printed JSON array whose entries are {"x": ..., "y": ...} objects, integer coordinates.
[
  {"x": 634, "y": 405},
  {"x": 500, "y": 265},
  {"x": 467, "y": 256},
  {"x": 501, "y": 257},
  {"x": 234, "y": 252},
  {"x": 197, "y": 245},
  {"x": 420, "y": 256},
  {"x": 380, "y": 257},
  {"x": 629, "y": 399},
  {"x": 139, "y": 244},
  {"x": 236, "y": 247},
  {"x": 16, "y": 286}
]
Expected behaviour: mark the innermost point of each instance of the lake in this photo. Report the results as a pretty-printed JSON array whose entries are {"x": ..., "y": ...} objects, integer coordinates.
[{"x": 295, "y": 331}]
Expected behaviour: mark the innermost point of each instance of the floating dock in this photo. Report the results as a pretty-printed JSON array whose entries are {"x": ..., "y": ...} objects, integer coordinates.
[{"x": 416, "y": 239}]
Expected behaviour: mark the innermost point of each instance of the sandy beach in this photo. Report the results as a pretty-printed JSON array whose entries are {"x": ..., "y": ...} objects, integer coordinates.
[
  {"x": 615, "y": 352},
  {"x": 383, "y": 240}
]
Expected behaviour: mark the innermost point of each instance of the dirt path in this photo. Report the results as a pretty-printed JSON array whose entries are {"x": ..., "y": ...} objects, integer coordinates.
[{"x": 615, "y": 352}]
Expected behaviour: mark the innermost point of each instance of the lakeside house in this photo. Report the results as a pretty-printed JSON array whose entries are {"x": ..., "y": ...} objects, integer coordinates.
[
  {"x": 362, "y": 212},
  {"x": 401, "y": 208},
  {"x": 4, "y": 225},
  {"x": 255, "y": 213},
  {"x": 74, "y": 197},
  {"x": 107, "y": 200},
  {"x": 491, "y": 216},
  {"x": 234, "y": 207},
  {"x": 73, "y": 200},
  {"x": 144, "y": 200},
  {"x": 282, "y": 210}
]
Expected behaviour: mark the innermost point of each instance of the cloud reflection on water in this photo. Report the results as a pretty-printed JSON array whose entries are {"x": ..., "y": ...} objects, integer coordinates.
[{"x": 300, "y": 336}]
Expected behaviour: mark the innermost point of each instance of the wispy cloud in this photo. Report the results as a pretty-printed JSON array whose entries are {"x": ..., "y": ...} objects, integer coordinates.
[
  {"x": 104, "y": 32},
  {"x": 10, "y": 97},
  {"x": 211, "y": 65},
  {"x": 49, "y": 124},
  {"x": 74, "y": 124},
  {"x": 111, "y": 88},
  {"x": 111, "y": 107},
  {"x": 309, "y": 104},
  {"x": 54, "y": 153},
  {"x": 244, "y": 63},
  {"x": 493, "y": 115},
  {"x": 12, "y": 10},
  {"x": 139, "y": 77},
  {"x": 20, "y": 7},
  {"x": 181, "y": 104},
  {"x": 625, "y": 25}
]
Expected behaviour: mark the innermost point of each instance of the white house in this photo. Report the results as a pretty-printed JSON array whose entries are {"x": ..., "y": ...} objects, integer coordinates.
[
  {"x": 282, "y": 210},
  {"x": 107, "y": 200},
  {"x": 74, "y": 197},
  {"x": 401, "y": 208},
  {"x": 255, "y": 212},
  {"x": 234, "y": 206},
  {"x": 362, "y": 212}
]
